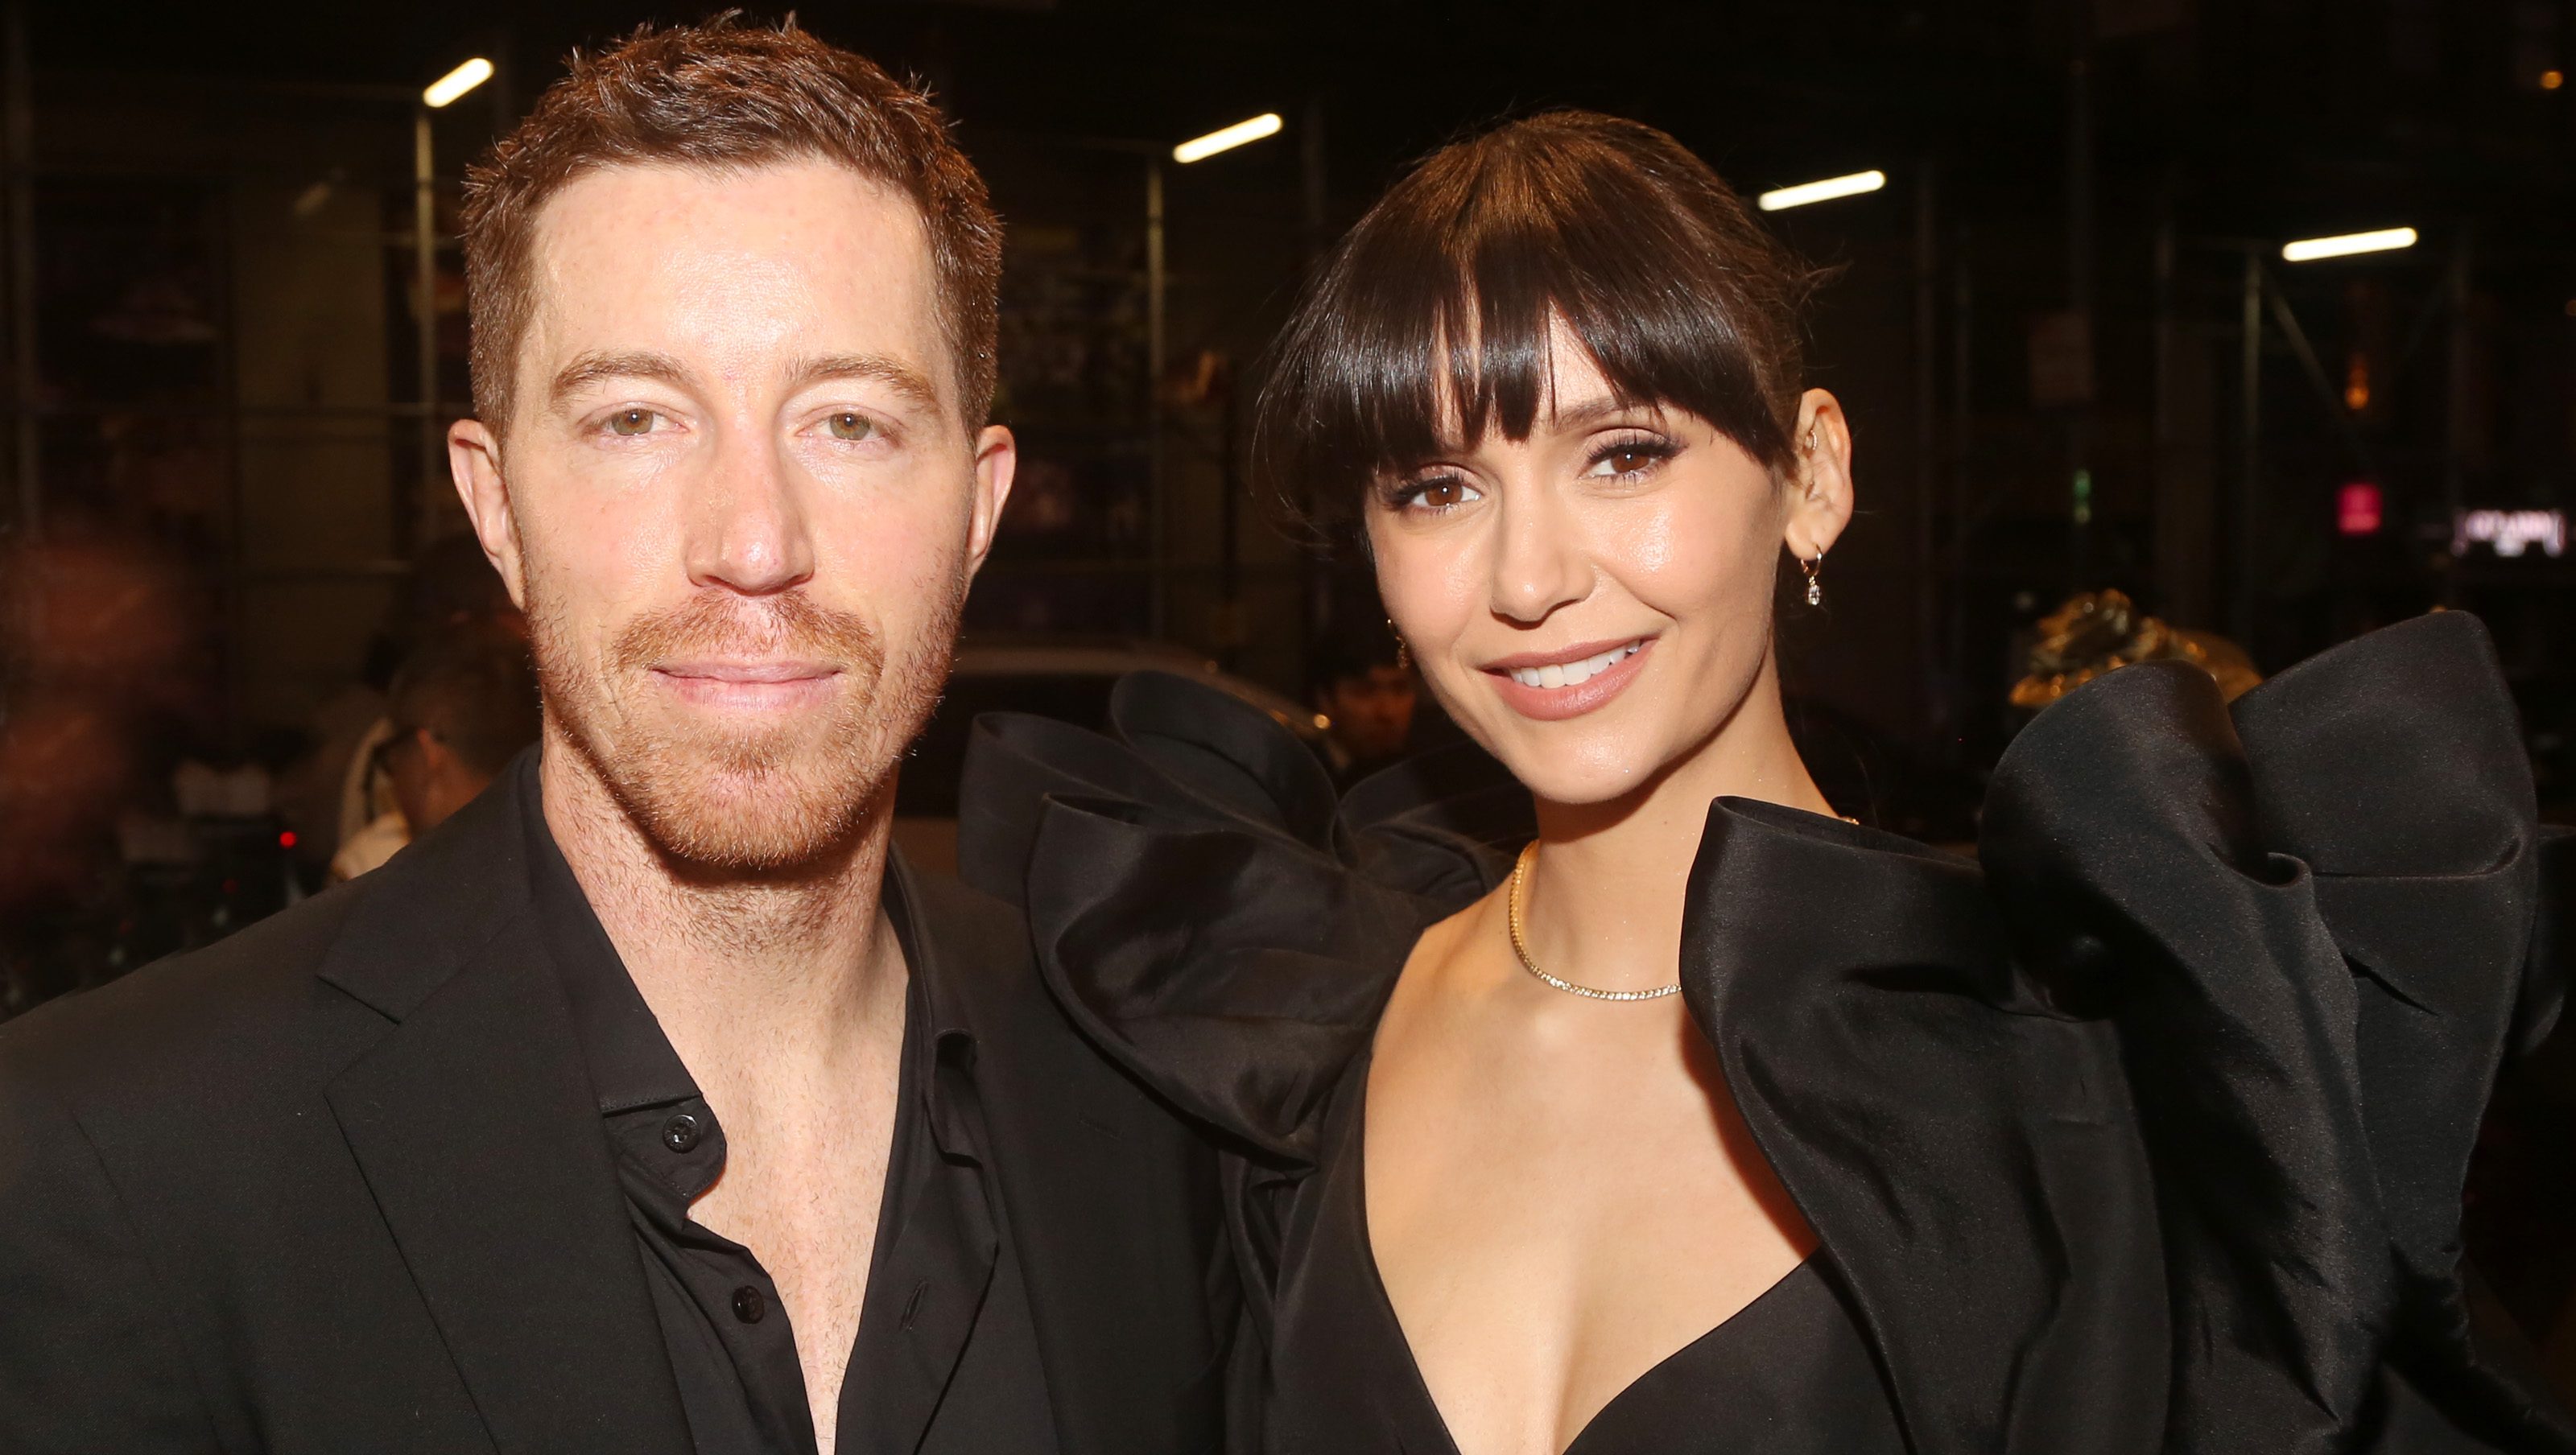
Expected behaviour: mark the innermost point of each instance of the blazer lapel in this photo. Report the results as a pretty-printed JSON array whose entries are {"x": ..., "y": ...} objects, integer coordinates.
[
  {"x": 474, "y": 1125},
  {"x": 1097, "y": 1201}
]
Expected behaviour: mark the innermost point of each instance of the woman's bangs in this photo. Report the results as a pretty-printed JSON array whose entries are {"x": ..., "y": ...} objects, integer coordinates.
[
  {"x": 1408, "y": 394},
  {"x": 1411, "y": 396},
  {"x": 1437, "y": 320}
]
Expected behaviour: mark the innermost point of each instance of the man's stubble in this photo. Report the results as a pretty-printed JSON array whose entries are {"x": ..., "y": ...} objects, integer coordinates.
[{"x": 766, "y": 804}]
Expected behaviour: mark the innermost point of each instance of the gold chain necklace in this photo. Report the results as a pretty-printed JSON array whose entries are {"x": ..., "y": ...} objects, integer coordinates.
[{"x": 1520, "y": 946}]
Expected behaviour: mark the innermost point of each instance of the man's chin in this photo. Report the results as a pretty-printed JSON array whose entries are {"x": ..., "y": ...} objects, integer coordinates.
[
  {"x": 757, "y": 830},
  {"x": 728, "y": 809}
]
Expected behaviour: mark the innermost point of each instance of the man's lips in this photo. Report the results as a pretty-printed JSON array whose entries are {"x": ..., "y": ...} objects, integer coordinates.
[
  {"x": 752, "y": 685},
  {"x": 747, "y": 673}
]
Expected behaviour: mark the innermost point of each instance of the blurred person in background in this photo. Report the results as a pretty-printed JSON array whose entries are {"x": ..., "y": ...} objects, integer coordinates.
[
  {"x": 650, "y": 1103},
  {"x": 102, "y": 672},
  {"x": 461, "y": 709},
  {"x": 340, "y": 788},
  {"x": 1365, "y": 689}
]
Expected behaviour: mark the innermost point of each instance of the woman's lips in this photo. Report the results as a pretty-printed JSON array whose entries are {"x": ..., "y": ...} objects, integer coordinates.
[{"x": 1599, "y": 675}]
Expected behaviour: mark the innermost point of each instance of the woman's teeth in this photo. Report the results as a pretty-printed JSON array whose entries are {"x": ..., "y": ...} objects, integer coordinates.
[{"x": 1571, "y": 673}]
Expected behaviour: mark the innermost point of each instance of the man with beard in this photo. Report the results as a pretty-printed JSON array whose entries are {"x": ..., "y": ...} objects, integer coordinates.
[{"x": 649, "y": 1104}]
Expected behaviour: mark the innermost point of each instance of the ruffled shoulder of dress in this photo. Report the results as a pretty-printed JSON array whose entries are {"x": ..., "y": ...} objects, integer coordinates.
[
  {"x": 1204, "y": 907},
  {"x": 2159, "y": 1113},
  {"x": 2319, "y": 921}
]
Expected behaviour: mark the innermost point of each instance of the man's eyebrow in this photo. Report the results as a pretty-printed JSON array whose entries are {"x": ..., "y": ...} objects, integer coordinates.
[
  {"x": 894, "y": 373},
  {"x": 598, "y": 368}
]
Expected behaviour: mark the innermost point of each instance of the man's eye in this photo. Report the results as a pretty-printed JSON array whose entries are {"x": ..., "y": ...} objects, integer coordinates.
[
  {"x": 851, "y": 426},
  {"x": 632, "y": 422}
]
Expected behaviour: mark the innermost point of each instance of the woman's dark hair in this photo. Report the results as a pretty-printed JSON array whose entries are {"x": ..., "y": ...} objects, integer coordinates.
[{"x": 1433, "y": 314}]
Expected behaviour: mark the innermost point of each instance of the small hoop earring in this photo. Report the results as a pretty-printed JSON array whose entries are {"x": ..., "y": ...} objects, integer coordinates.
[
  {"x": 1815, "y": 588},
  {"x": 1403, "y": 649}
]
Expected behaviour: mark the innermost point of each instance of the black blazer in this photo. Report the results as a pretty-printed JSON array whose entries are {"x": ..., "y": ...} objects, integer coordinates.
[{"x": 338, "y": 1184}]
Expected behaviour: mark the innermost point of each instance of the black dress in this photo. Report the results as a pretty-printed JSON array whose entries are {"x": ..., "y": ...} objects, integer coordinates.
[
  {"x": 1789, "y": 1371},
  {"x": 2143, "y": 1134}
]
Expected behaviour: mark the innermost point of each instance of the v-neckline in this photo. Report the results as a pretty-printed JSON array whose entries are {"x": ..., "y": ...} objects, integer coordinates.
[{"x": 1384, "y": 1302}]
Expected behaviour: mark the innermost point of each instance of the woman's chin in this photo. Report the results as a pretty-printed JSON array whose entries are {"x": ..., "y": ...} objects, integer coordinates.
[{"x": 1577, "y": 779}]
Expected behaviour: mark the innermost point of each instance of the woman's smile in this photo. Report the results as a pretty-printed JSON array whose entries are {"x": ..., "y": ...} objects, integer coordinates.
[{"x": 1553, "y": 686}]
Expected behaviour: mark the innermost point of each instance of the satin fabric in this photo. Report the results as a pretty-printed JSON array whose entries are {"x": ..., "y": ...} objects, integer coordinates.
[
  {"x": 2143, "y": 1134},
  {"x": 1788, "y": 1371}
]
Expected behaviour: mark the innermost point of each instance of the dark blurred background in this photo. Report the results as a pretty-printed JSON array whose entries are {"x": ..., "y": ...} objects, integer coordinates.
[{"x": 231, "y": 330}]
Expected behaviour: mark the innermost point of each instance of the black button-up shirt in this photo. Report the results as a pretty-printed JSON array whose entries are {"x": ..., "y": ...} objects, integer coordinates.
[{"x": 946, "y": 1356}]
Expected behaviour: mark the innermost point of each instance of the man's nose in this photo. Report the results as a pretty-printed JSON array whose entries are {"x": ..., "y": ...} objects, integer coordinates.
[
  {"x": 747, "y": 522},
  {"x": 1537, "y": 560}
]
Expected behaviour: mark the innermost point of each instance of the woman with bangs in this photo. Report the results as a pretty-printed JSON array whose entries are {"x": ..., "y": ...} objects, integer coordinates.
[{"x": 1639, "y": 1102}]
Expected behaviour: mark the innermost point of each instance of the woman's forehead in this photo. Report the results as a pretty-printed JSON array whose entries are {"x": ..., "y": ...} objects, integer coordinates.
[{"x": 1572, "y": 391}]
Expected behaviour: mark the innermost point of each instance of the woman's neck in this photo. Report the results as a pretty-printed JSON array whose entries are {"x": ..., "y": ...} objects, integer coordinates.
[{"x": 1603, "y": 905}]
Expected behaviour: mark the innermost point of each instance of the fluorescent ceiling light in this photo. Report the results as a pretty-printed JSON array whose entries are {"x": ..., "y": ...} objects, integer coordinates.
[
  {"x": 1824, "y": 191},
  {"x": 457, "y": 82},
  {"x": 2310, "y": 249},
  {"x": 1201, "y": 148}
]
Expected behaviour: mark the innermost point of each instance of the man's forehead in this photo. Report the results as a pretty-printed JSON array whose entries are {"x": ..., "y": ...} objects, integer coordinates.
[
  {"x": 644, "y": 191},
  {"x": 796, "y": 257}
]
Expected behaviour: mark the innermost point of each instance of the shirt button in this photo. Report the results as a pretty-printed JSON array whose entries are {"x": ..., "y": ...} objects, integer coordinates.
[
  {"x": 748, "y": 1305},
  {"x": 680, "y": 1133}
]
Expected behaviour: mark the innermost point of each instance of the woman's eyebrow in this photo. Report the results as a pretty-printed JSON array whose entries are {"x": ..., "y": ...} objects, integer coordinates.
[{"x": 1594, "y": 410}]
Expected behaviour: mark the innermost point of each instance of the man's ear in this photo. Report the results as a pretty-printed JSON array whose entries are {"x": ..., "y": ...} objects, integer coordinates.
[
  {"x": 474, "y": 459},
  {"x": 997, "y": 461},
  {"x": 1820, "y": 490}
]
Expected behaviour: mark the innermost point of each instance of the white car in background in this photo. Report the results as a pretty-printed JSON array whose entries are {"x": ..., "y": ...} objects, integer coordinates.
[{"x": 1054, "y": 678}]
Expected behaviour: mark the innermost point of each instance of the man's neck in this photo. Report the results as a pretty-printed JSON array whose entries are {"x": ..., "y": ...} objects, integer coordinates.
[
  {"x": 783, "y": 994},
  {"x": 743, "y": 969}
]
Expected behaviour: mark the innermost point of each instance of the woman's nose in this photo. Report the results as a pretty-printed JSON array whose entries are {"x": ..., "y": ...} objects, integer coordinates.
[{"x": 1538, "y": 564}]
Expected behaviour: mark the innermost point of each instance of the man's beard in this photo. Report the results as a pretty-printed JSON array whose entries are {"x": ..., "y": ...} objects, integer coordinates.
[{"x": 766, "y": 801}]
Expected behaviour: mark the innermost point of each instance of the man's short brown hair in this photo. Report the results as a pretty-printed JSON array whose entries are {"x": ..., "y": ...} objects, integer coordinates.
[{"x": 725, "y": 96}]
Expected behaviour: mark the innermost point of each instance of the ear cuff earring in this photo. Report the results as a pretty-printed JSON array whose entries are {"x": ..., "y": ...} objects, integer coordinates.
[{"x": 1816, "y": 562}]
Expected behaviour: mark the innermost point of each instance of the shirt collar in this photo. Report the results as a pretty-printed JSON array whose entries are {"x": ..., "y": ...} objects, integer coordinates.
[{"x": 944, "y": 1054}]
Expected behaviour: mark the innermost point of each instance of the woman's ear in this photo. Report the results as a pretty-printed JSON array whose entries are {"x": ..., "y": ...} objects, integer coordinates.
[{"x": 1820, "y": 487}]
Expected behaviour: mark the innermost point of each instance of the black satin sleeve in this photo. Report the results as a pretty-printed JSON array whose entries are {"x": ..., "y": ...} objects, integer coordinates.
[
  {"x": 2317, "y": 925},
  {"x": 1215, "y": 922}
]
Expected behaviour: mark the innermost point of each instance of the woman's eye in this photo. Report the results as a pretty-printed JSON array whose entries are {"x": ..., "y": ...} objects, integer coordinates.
[
  {"x": 848, "y": 425},
  {"x": 1635, "y": 457},
  {"x": 1445, "y": 493},
  {"x": 632, "y": 422}
]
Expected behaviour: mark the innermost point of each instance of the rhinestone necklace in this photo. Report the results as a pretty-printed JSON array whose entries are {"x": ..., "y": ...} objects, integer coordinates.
[{"x": 1520, "y": 946}]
